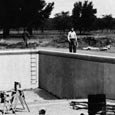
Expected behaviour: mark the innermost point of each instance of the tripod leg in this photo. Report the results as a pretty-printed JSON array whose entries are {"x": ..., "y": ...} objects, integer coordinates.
[
  {"x": 14, "y": 103},
  {"x": 21, "y": 101},
  {"x": 22, "y": 97},
  {"x": 26, "y": 105}
]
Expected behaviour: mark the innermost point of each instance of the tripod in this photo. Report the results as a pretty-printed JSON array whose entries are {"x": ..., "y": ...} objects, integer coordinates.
[
  {"x": 19, "y": 96},
  {"x": 10, "y": 101}
]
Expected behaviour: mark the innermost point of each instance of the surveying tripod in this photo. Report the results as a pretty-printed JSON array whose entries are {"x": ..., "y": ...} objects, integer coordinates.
[
  {"x": 19, "y": 96},
  {"x": 11, "y": 102}
]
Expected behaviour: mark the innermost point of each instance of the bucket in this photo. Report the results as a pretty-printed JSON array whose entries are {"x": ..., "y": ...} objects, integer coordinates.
[{"x": 97, "y": 103}]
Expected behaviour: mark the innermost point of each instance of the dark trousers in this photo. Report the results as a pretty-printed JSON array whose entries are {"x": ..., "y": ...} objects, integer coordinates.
[{"x": 72, "y": 45}]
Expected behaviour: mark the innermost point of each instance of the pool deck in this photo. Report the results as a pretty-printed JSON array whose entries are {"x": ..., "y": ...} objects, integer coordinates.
[{"x": 38, "y": 98}]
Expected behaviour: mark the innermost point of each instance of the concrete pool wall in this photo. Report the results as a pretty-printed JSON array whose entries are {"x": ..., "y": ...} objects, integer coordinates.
[
  {"x": 65, "y": 75},
  {"x": 18, "y": 65},
  {"x": 68, "y": 75}
]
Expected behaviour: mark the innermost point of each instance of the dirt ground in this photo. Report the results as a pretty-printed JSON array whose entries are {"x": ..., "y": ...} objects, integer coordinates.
[
  {"x": 38, "y": 98},
  {"x": 42, "y": 45}
]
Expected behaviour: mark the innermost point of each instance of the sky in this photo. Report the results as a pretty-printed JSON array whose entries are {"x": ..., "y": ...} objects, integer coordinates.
[{"x": 104, "y": 7}]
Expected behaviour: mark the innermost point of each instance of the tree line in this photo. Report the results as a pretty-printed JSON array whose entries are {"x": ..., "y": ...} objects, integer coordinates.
[
  {"x": 34, "y": 14},
  {"x": 83, "y": 19},
  {"x": 25, "y": 14}
]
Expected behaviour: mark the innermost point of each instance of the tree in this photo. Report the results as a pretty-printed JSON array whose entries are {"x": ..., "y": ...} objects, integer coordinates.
[
  {"x": 62, "y": 21},
  {"x": 98, "y": 24},
  {"x": 45, "y": 14},
  {"x": 113, "y": 23},
  {"x": 7, "y": 13},
  {"x": 23, "y": 13},
  {"x": 34, "y": 13},
  {"x": 76, "y": 15},
  {"x": 83, "y": 15},
  {"x": 107, "y": 19}
]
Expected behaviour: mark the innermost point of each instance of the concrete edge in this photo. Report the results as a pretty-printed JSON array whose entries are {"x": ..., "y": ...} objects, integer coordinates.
[{"x": 87, "y": 57}]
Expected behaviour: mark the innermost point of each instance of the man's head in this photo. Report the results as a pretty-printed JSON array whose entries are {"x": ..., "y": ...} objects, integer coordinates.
[
  {"x": 42, "y": 112},
  {"x": 72, "y": 29}
]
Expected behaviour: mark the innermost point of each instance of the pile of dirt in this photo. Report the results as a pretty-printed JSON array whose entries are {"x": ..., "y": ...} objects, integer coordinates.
[{"x": 18, "y": 45}]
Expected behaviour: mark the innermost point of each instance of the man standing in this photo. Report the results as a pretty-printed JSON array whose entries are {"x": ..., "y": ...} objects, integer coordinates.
[
  {"x": 72, "y": 38},
  {"x": 25, "y": 38}
]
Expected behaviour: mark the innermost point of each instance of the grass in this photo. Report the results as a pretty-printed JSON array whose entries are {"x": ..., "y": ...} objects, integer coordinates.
[{"x": 56, "y": 39}]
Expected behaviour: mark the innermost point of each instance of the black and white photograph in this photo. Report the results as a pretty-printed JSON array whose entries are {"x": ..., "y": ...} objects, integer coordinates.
[{"x": 57, "y": 57}]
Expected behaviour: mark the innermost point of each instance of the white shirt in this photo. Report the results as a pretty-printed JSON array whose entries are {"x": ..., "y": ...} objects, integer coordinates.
[{"x": 72, "y": 35}]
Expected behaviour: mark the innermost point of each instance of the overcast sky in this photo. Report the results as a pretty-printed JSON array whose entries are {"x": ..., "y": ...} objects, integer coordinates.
[{"x": 104, "y": 7}]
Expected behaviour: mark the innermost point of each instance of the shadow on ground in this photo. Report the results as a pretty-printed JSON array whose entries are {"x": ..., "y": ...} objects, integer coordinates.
[{"x": 44, "y": 94}]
